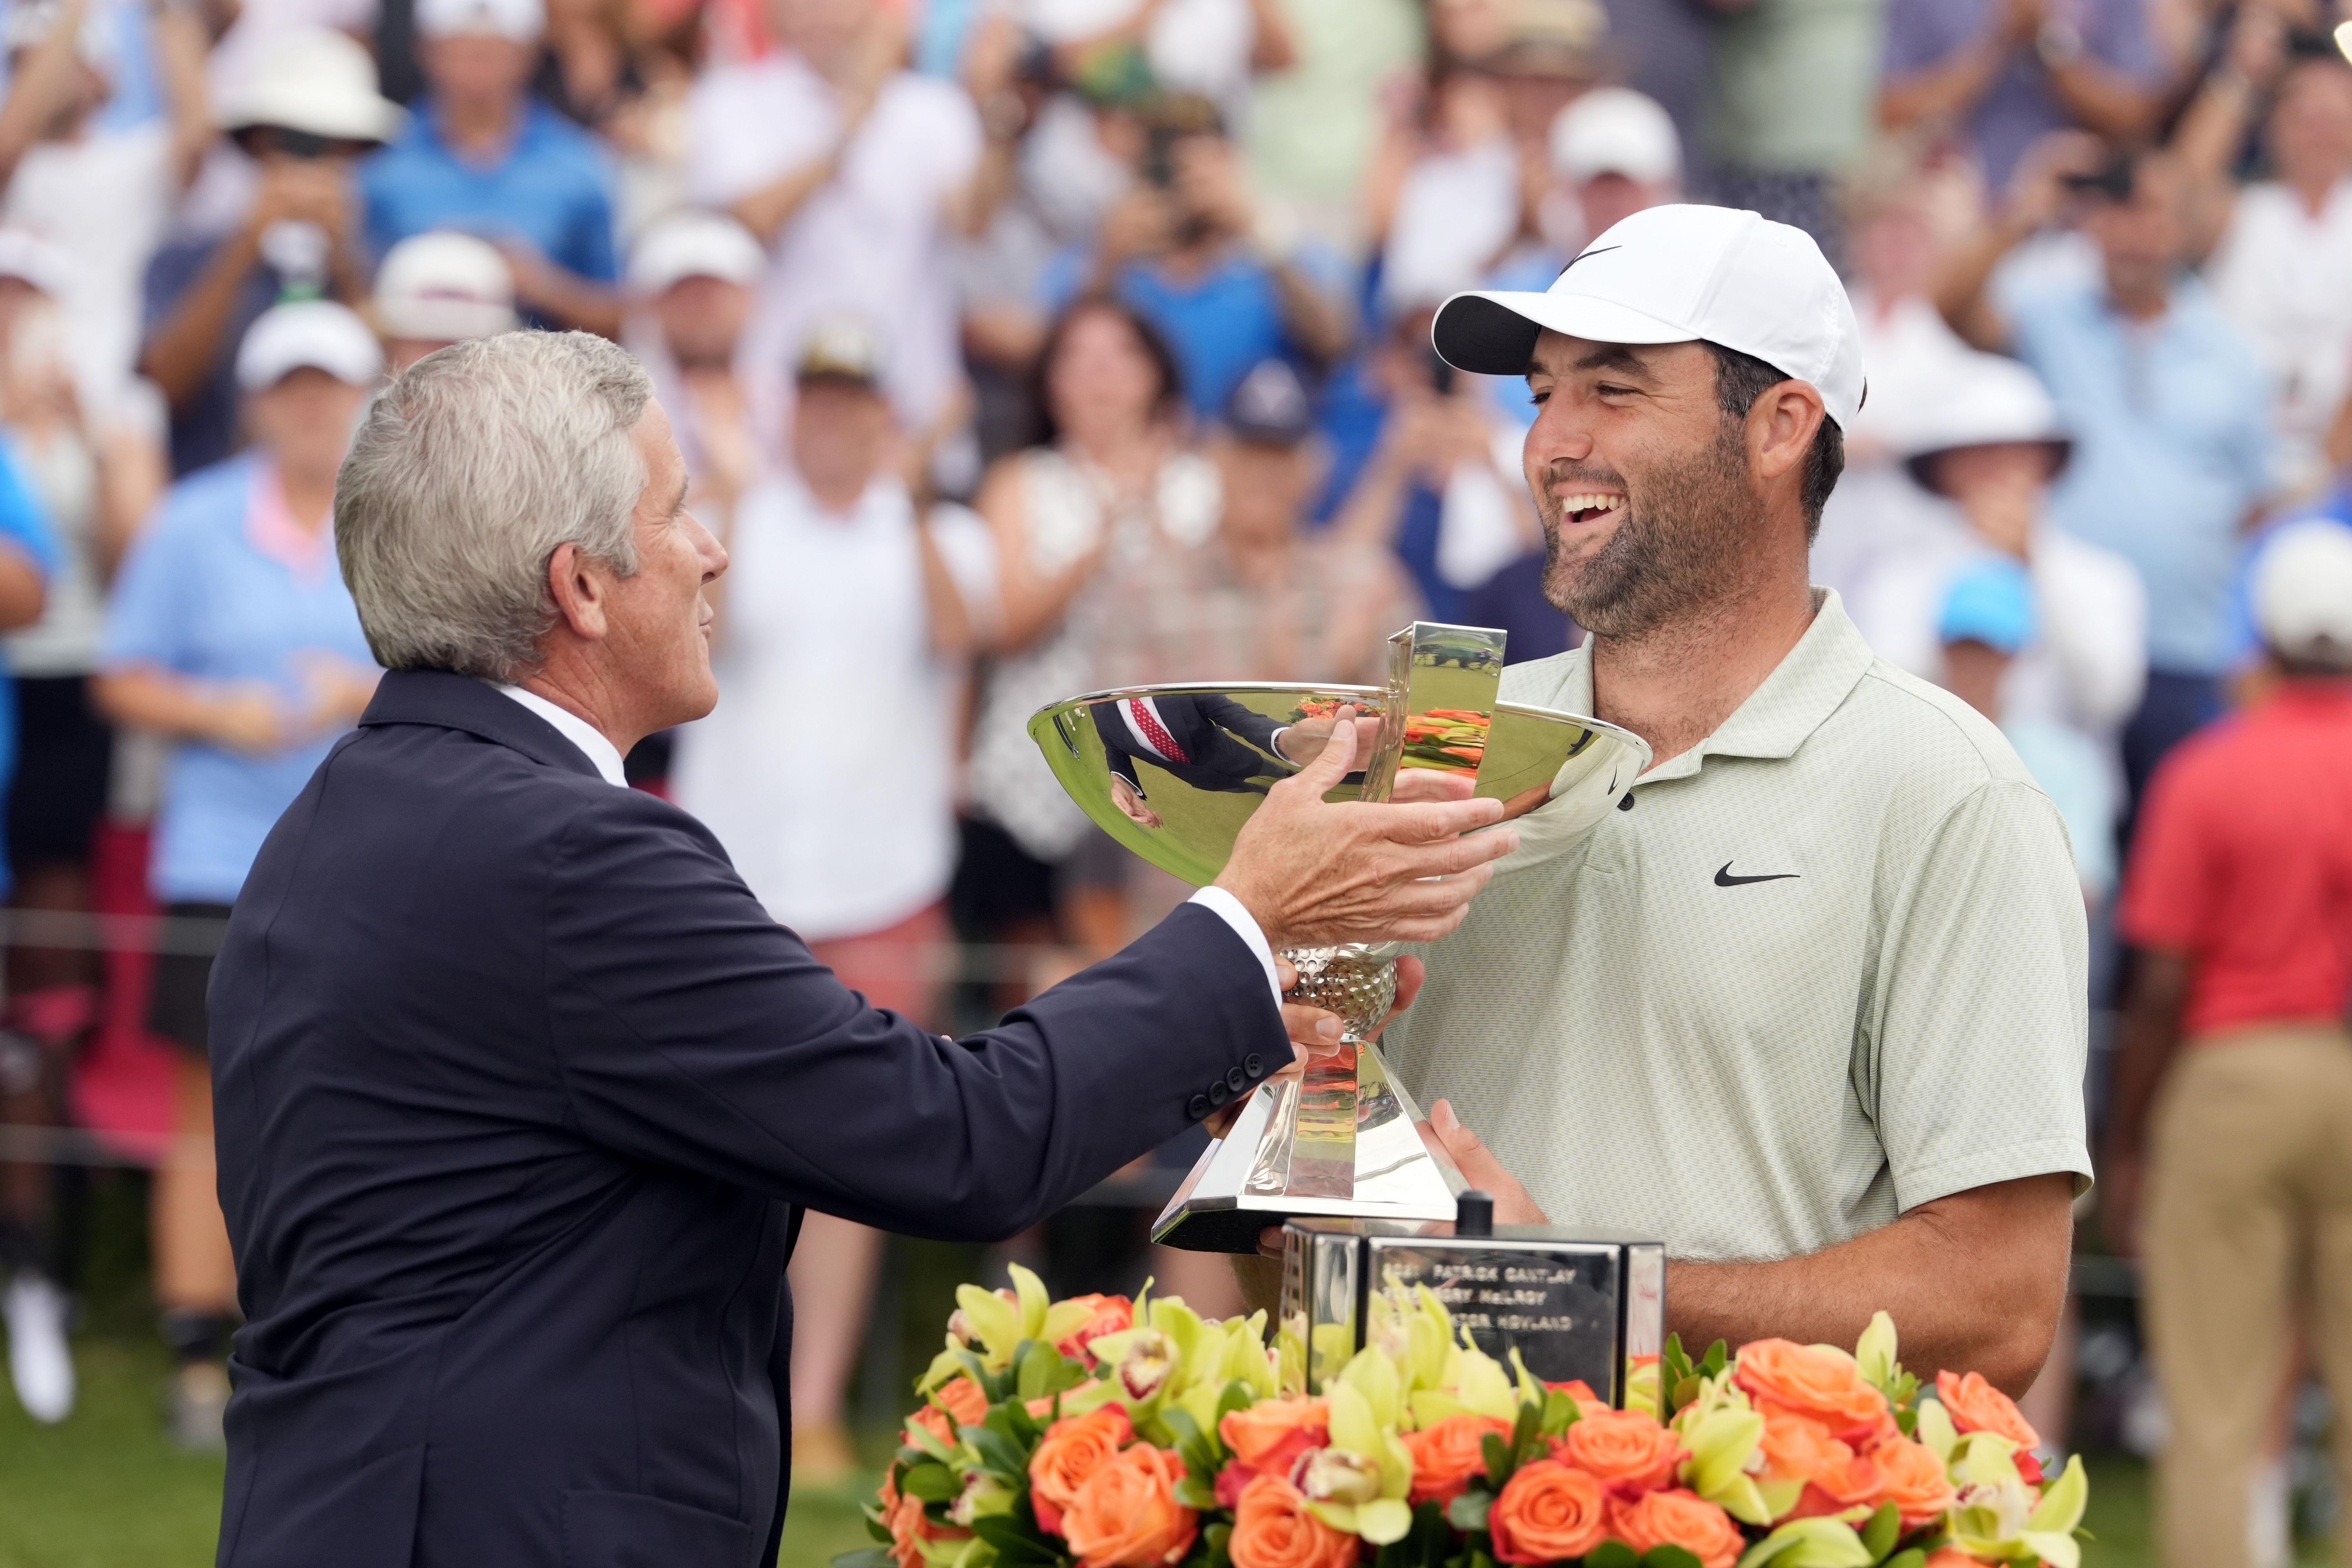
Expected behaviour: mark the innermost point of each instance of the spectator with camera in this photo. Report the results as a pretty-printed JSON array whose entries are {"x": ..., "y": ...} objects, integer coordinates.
[
  {"x": 1186, "y": 249},
  {"x": 310, "y": 111}
]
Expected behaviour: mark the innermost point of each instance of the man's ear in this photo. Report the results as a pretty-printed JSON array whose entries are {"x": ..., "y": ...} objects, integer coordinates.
[
  {"x": 579, "y": 585},
  {"x": 1781, "y": 427}
]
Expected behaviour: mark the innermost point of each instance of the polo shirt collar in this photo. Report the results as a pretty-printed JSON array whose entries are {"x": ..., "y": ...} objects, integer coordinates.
[{"x": 1807, "y": 686}]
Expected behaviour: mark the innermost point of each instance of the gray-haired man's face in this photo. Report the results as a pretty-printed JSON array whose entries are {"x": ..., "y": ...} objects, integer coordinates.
[{"x": 657, "y": 631}]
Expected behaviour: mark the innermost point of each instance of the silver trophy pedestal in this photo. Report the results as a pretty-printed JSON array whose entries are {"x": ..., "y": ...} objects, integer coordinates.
[{"x": 1338, "y": 1140}]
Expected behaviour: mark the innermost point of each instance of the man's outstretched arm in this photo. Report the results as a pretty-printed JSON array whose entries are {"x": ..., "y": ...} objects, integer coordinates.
[{"x": 1975, "y": 1280}]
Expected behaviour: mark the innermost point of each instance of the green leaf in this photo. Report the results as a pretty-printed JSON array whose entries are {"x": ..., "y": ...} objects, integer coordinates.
[
  {"x": 999, "y": 1454},
  {"x": 1683, "y": 1393},
  {"x": 1906, "y": 1422},
  {"x": 1499, "y": 1459},
  {"x": 877, "y": 1529},
  {"x": 1467, "y": 1511},
  {"x": 1194, "y": 1493},
  {"x": 1218, "y": 1537},
  {"x": 1914, "y": 1558},
  {"x": 1673, "y": 1362},
  {"x": 869, "y": 1557},
  {"x": 1238, "y": 1395},
  {"x": 1879, "y": 1536},
  {"x": 1014, "y": 1541},
  {"x": 1718, "y": 1356},
  {"x": 1198, "y": 1451},
  {"x": 931, "y": 1482},
  {"x": 1612, "y": 1554},
  {"x": 1669, "y": 1557},
  {"x": 1526, "y": 1435},
  {"x": 1560, "y": 1413}
]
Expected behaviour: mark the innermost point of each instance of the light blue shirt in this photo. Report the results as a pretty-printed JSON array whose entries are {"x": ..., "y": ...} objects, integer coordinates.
[
  {"x": 2171, "y": 449},
  {"x": 552, "y": 189},
  {"x": 200, "y": 597}
]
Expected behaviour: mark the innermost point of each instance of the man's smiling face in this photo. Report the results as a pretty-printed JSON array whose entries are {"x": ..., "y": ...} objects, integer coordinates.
[{"x": 1641, "y": 480}]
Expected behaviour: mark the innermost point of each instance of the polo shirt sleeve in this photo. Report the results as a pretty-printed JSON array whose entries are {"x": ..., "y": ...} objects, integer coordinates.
[
  {"x": 2171, "y": 873},
  {"x": 1974, "y": 1073},
  {"x": 147, "y": 614}
]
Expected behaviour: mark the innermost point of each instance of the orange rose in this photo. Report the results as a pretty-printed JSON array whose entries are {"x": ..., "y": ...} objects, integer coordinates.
[
  {"x": 966, "y": 1406},
  {"x": 1914, "y": 1481},
  {"x": 1951, "y": 1557},
  {"x": 1274, "y": 1529},
  {"x": 1112, "y": 1315},
  {"x": 1975, "y": 1406},
  {"x": 1073, "y": 1449},
  {"x": 1677, "y": 1518},
  {"x": 1549, "y": 1511},
  {"x": 1797, "y": 1448},
  {"x": 1270, "y": 1436},
  {"x": 1447, "y": 1456},
  {"x": 910, "y": 1526},
  {"x": 1623, "y": 1448},
  {"x": 1126, "y": 1516},
  {"x": 1819, "y": 1383}
]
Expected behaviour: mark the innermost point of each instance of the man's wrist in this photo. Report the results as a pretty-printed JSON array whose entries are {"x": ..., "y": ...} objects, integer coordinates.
[{"x": 1227, "y": 906}]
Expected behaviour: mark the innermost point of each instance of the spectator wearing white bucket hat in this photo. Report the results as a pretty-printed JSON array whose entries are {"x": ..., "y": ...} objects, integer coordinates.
[
  {"x": 308, "y": 113},
  {"x": 1987, "y": 448},
  {"x": 230, "y": 630},
  {"x": 438, "y": 289}
]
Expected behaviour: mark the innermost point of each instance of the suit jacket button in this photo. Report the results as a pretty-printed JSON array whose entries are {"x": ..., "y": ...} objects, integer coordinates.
[
  {"x": 1237, "y": 1079},
  {"x": 1254, "y": 1065},
  {"x": 1219, "y": 1093},
  {"x": 1199, "y": 1107}
]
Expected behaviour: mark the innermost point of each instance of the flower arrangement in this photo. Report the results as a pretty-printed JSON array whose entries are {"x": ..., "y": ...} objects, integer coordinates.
[{"x": 1116, "y": 1434}]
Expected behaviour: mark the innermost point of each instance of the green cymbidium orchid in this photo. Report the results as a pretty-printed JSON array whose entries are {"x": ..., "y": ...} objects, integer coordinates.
[{"x": 1809, "y": 1543}]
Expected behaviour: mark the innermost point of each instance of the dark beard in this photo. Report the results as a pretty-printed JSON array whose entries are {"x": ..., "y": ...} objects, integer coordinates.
[{"x": 1679, "y": 548}]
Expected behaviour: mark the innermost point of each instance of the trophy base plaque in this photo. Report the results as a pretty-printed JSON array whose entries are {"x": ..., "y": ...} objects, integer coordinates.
[{"x": 1572, "y": 1306}]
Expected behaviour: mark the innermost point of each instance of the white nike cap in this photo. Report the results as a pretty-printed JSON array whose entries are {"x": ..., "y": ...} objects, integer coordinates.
[{"x": 1673, "y": 275}]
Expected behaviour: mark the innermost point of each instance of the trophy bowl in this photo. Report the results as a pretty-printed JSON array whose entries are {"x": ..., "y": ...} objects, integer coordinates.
[{"x": 1172, "y": 771}]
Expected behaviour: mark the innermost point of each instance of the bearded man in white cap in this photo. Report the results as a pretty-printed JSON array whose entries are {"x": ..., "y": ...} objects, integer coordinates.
[{"x": 1811, "y": 1005}]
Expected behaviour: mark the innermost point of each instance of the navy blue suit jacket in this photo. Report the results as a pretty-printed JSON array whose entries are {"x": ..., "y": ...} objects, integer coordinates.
[{"x": 519, "y": 1092}]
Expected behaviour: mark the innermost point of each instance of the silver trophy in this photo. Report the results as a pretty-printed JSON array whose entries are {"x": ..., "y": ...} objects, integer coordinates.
[{"x": 1172, "y": 771}]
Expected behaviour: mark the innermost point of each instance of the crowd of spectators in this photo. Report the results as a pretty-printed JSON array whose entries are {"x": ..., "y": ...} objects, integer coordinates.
[{"x": 1024, "y": 347}]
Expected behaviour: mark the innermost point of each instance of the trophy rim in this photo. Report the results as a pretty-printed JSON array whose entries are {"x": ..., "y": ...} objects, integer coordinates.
[{"x": 1335, "y": 688}]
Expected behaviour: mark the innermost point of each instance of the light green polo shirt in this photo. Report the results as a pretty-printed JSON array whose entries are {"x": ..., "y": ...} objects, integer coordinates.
[{"x": 1830, "y": 965}]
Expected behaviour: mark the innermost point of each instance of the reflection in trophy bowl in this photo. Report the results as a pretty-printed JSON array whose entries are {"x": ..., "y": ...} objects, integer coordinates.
[{"x": 1355, "y": 981}]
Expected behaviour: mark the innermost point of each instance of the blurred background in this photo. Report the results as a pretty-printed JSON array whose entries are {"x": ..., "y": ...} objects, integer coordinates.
[{"x": 1020, "y": 348}]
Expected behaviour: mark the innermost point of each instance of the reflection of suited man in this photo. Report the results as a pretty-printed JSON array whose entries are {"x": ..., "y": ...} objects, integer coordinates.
[{"x": 1193, "y": 739}]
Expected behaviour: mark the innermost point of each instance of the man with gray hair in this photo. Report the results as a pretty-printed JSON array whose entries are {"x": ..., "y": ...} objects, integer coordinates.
[{"x": 520, "y": 1093}]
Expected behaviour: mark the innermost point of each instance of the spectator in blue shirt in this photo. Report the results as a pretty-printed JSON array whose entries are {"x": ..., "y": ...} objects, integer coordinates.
[
  {"x": 1181, "y": 247},
  {"x": 230, "y": 631},
  {"x": 482, "y": 154},
  {"x": 2169, "y": 408}
]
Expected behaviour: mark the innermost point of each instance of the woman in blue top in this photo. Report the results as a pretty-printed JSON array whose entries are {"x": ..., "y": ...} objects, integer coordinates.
[{"x": 230, "y": 631}]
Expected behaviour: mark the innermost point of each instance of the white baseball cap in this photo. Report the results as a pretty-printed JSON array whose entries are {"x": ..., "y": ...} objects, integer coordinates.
[
  {"x": 29, "y": 258},
  {"x": 307, "y": 334},
  {"x": 695, "y": 245},
  {"x": 1674, "y": 274},
  {"x": 444, "y": 288},
  {"x": 320, "y": 81},
  {"x": 516, "y": 21},
  {"x": 1616, "y": 130},
  {"x": 2303, "y": 592}
]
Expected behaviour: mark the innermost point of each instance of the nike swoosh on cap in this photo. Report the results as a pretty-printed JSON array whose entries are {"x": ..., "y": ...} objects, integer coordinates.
[
  {"x": 1601, "y": 250},
  {"x": 1724, "y": 879}
]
